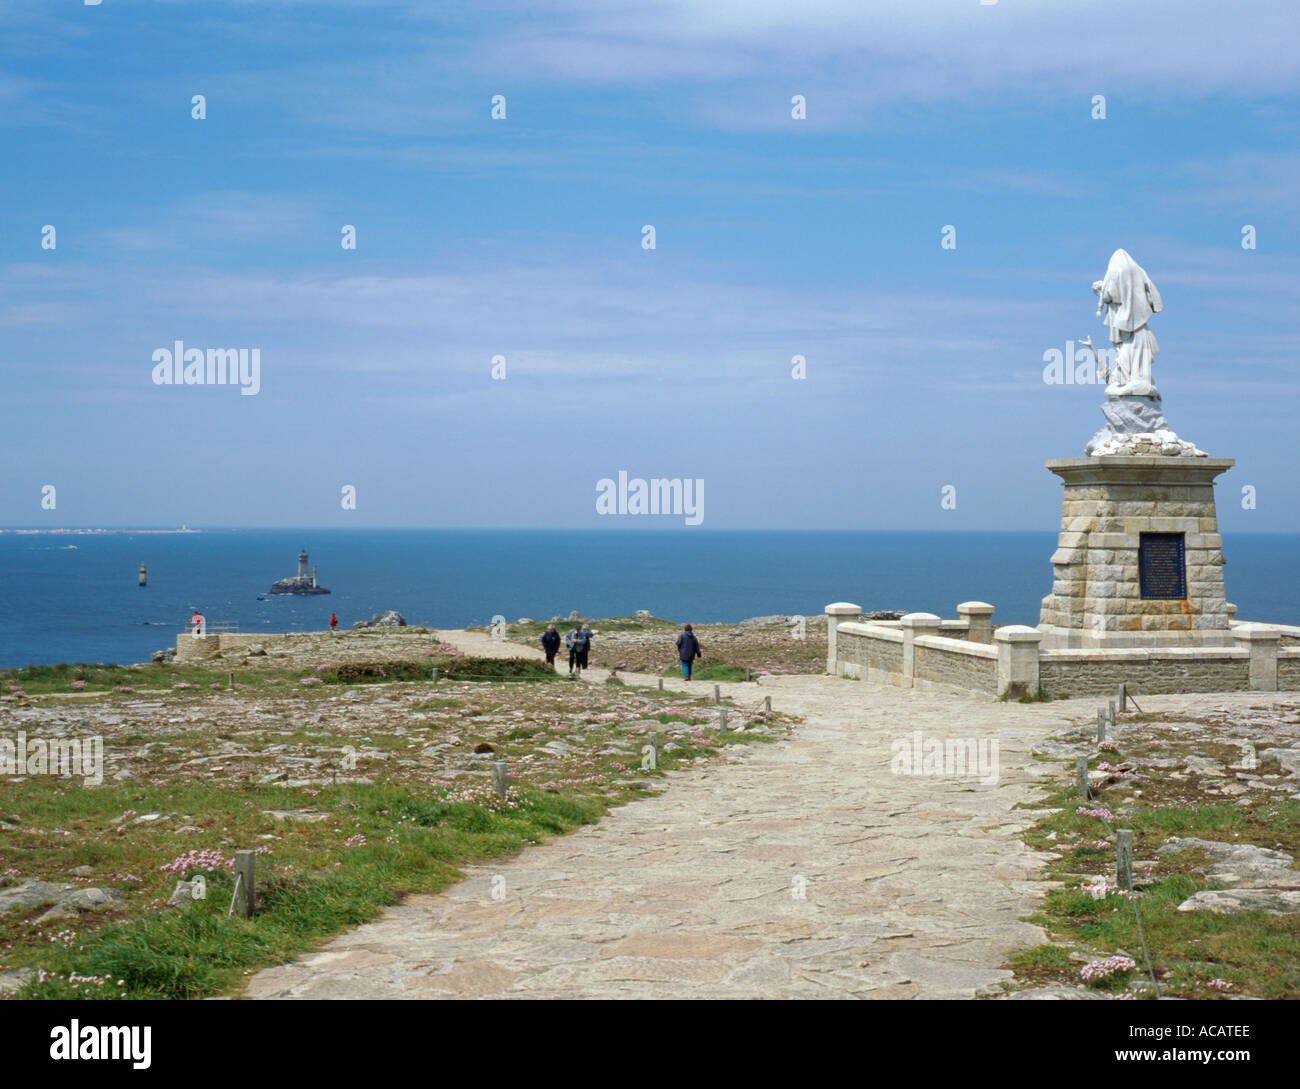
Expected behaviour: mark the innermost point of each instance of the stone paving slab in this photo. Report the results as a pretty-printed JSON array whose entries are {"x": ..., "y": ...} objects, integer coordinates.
[{"x": 913, "y": 886}]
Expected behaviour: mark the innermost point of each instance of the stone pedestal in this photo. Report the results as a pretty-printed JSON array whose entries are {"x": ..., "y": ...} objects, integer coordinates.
[
  {"x": 914, "y": 624},
  {"x": 1119, "y": 515},
  {"x": 1018, "y": 660},
  {"x": 979, "y": 618},
  {"x": 1261, "y": 642},
  {"x": 837, "y": 613}
]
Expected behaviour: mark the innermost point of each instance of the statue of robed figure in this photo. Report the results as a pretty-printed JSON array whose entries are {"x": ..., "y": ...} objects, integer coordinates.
[
  {"x": 1135, "y": 420},
  {"x": 1129, "y": 298}
]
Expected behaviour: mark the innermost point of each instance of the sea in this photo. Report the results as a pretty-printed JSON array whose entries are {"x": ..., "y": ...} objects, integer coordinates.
[{"x": 74, "y": 596}]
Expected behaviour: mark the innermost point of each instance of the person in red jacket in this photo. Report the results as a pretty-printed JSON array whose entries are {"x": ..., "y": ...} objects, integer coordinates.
[
  {"x": 196, "y": 622},
  {"x": 334, "y": 623}
]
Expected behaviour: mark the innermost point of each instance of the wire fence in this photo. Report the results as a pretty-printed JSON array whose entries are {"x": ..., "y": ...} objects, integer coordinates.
[{"x": 1123, "y": 836}]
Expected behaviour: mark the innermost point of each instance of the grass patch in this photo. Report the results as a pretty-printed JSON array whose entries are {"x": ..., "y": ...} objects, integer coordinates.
[
  {"x": 310, "y": 886},
  {"x": 494, "y": 669}
]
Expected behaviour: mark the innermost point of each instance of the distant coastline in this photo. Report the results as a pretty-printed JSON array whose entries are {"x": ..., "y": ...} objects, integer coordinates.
[{"x": 90, "y": 532}]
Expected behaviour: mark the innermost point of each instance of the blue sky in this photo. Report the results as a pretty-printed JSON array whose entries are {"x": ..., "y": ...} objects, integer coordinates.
[{"x": 521, "y": 237}]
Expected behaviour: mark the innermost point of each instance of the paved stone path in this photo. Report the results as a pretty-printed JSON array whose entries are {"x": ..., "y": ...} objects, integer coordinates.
[{"x": 912, "y": 885}]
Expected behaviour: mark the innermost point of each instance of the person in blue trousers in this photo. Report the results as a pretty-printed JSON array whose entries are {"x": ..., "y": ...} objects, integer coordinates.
[{"x": 688, "y": 649}]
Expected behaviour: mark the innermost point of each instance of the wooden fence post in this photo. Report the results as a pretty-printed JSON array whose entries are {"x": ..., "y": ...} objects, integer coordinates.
[
  {"x": 246, "y": 899},
  {"x": 1124, "y": 858}
]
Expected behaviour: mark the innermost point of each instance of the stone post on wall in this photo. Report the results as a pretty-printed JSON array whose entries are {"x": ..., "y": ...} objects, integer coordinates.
[
  {"x": 980, "y": 617},
  {"x": 914, "y": 624},
  {"x": 1262, "y": 643},
  {"x": 840, "y": 612},
  {"x": 1017, "y": 659}
]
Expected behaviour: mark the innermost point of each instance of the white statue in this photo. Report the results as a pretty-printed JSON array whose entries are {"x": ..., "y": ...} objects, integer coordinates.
[
  {"x": 1129, "y": 298},
  {"x": 1135, "y": 419}
]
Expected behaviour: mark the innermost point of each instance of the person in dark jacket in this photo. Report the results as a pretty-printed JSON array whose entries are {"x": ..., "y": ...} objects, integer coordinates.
[
  {"x": 586, "y": 646},
  {"x": 550, "y": 644},
  {"x": 688, "y": 649}
]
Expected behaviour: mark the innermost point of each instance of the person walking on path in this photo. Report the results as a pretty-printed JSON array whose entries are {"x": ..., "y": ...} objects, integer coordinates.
[
  {"x": 688, "y": 649},
  {"x": 334, "y": 623},
  {"x": 571, "y": 641},
  {"x": 550, "y": 644},
  {"x": 586, "y": 647}
]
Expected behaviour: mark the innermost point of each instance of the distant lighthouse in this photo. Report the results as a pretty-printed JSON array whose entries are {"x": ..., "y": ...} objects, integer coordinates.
[
  {"x": 144, "y": 576},
  {"x": 302, "y": 583}
]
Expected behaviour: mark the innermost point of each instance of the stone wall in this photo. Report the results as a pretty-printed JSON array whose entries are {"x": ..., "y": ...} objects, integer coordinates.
[
  {"x": 876, "y": 655},
  {"x": 190, "y": 648},
  {"x": 1290, "y": 634},
  {"x": 951, "y": 663},
  {"x": 1288, "y": 670},
  {"x": 874, "y": 652},
  {"x": 197, "y": 648},
  {"x": 1153, "y": 672},
  {"x": 916, "y": 652}
]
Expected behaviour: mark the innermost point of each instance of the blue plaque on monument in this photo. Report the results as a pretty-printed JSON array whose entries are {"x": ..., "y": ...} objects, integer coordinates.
[{"x": 1161, "y": 566}]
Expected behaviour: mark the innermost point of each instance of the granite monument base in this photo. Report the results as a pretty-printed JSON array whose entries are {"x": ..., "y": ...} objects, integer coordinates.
[{"x": 1139, "y": 560}]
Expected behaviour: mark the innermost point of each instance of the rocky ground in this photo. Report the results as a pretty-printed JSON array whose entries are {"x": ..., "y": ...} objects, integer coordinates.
[
  {"x": 815, "y": 869},
  {"x": 1210, "y": 786},
  {"x": 808, "y": 867},
  {"x": 275, "y": 763}
]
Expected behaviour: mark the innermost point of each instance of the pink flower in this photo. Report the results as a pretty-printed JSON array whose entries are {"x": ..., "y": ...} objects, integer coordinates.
[
  {"x": 1101, "y": 969},
  {"x": 199, "y": 860}
]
